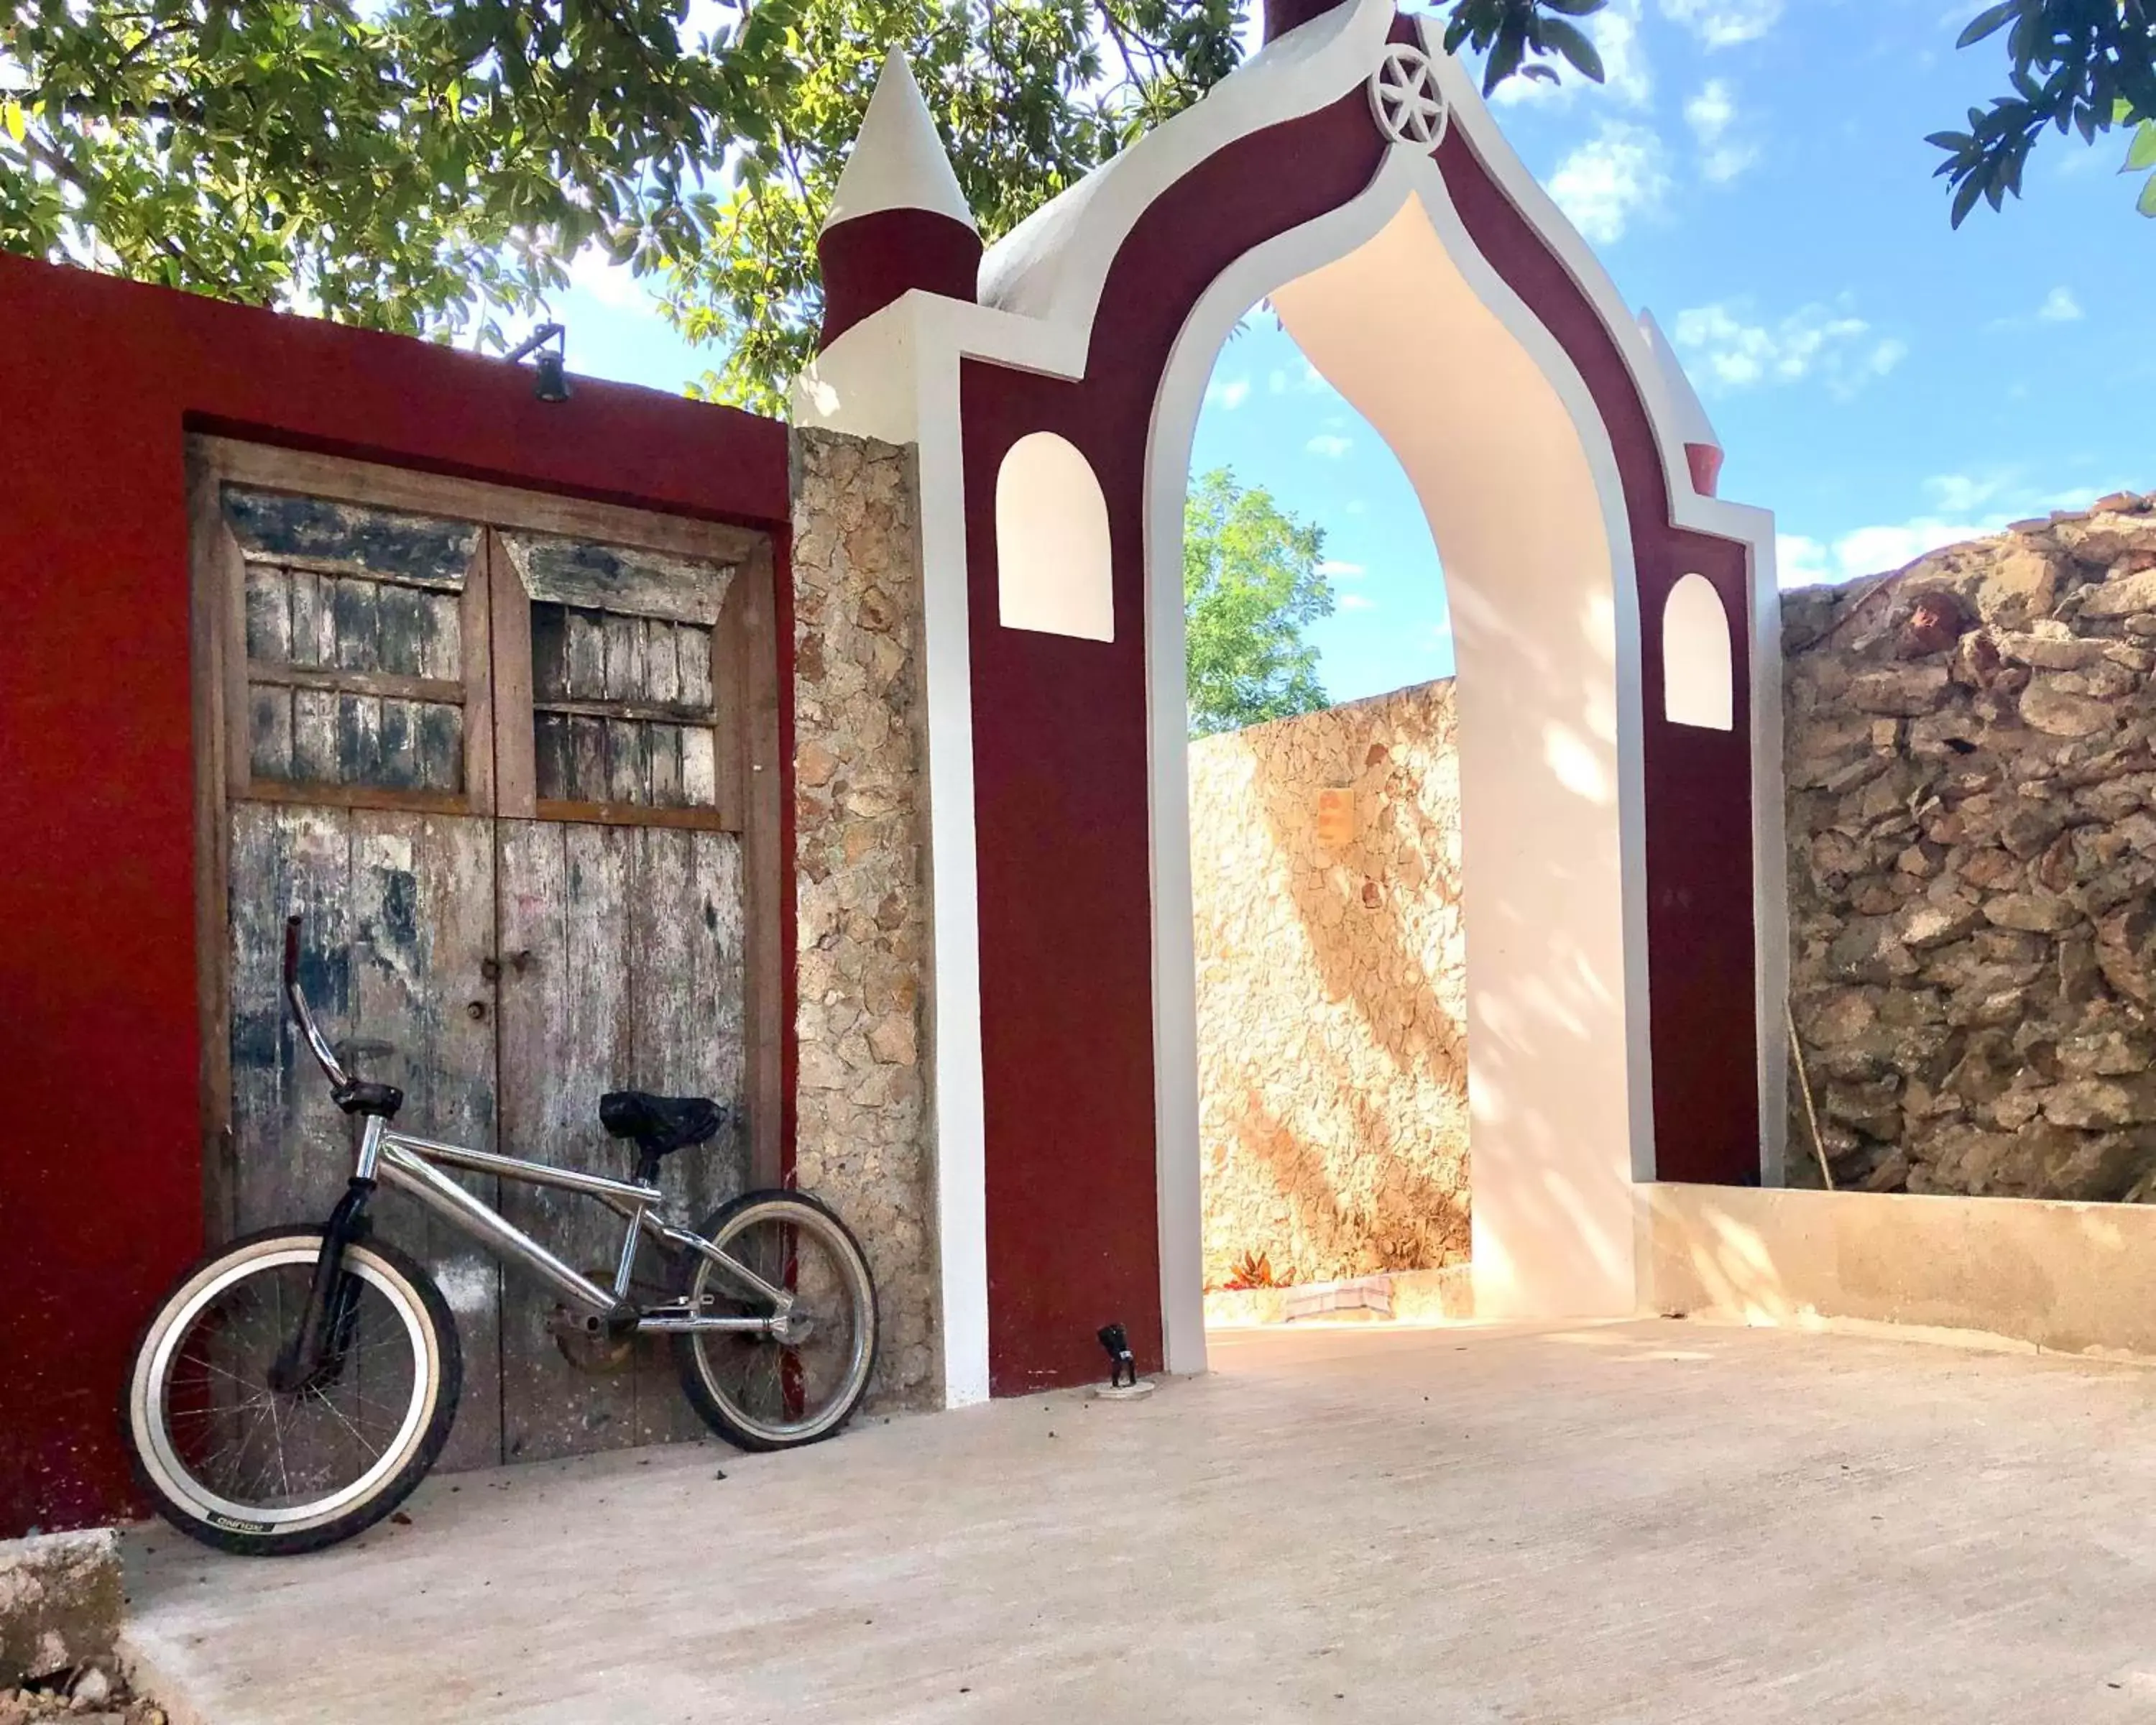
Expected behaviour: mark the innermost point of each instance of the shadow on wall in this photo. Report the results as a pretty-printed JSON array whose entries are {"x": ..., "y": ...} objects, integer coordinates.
[{"x": 1332, "y": 990}]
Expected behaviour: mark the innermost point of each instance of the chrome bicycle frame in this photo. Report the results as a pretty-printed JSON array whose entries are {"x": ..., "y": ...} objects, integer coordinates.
[{"x": 410, "y": 1164}]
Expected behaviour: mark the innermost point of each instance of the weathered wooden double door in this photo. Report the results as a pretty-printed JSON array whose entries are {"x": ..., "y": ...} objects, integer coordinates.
[{"x": 512, "y": 758}]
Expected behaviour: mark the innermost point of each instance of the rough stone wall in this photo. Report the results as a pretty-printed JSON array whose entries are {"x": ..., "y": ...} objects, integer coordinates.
[
  {"x": 1971, "y": 755},
  {"x": 1332, "y": 990},
  {"x": 863, "y": 1137}
]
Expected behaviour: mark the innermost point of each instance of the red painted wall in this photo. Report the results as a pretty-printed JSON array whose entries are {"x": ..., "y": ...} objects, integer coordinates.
[
  {"x": 1061, "y": 774},
  {"x": 100, "y": 1176}
]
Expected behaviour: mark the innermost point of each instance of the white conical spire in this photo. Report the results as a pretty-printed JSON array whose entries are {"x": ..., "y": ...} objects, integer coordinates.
[
  {"x": 1693, "y": 423},
  {"x": 898, "y": 160}
]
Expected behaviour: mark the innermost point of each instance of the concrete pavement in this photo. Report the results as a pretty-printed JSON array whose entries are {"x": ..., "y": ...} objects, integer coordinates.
[{"x": 1649, "y": 1522}]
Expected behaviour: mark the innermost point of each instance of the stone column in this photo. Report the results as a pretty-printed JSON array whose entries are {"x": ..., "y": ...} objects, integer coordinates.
[{"x": 863, "y": 1142}]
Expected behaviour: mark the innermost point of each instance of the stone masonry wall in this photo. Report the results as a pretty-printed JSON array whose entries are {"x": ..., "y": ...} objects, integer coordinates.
[
  {"x": 1971, "y": 757},
  {"x": 863, "y": 1137},
  {"x": 1332, "y": 990}
]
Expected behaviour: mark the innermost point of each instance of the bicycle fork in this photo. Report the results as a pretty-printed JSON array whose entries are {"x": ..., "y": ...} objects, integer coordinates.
[{"x": 315, "y": 1354}]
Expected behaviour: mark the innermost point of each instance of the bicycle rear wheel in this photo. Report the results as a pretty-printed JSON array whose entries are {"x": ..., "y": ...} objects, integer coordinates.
[
  {"x": 240, "y": 1465},
  {"x": 801, "y": 1382}
]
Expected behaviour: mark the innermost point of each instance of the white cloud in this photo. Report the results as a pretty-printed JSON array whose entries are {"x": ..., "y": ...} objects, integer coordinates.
[
  {"x": 1620, "y": 172},
  {"x": 1330, "y": 446},
  {"x": 1308, "y": 380},
  {"x": 1803, "y": 562},
  {"x": 1334, "y": 570},
  {"x": 2060, "y": 306},
  {"x": 1723, "y": 23},
  {"x": 1626, "y": 78},
  {"x": 592, "y": 272},
  {"x": 1824, "y": 340},
  {"x": 1711, "y": 114},
  {"x": 1962, "y": 493},
  {"x": 1355, "y": 601},
  {"x": 1957, "y": 514},
  {"x": 1229, "y": 396}
]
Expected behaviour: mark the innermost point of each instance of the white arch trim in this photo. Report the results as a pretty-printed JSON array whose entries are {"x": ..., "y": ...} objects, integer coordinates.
[
  {"x": 895, "y": 376},
  {"x": 1528, "y": 1257}
]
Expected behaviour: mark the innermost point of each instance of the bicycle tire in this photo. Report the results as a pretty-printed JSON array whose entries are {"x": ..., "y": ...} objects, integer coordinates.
[
  {"x": 196, "y": 1509},
  {"x": 693, "y": 1356}
]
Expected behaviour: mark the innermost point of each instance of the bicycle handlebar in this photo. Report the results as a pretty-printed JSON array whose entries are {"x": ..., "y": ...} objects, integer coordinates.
[{"x": 317, "y": 1043}]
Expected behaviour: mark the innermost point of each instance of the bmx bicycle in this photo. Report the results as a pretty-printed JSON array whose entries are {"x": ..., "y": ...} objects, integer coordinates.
[{"x": 297, "y": 1383}]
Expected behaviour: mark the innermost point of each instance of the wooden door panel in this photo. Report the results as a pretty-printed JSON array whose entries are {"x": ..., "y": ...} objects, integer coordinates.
[
  {"x": 686, "y": 1031},
  {"x": 633, "y": 981},
  {"x": 399, "y": 915},
  {"x": 563, "y": 1038},
  {"x": 361, "y": 631}
]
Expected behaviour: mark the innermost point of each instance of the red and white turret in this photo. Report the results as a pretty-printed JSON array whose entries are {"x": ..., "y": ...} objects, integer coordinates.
[
  {"x": 899, "y": 220},
  {"x": 1702, "y": 446}
]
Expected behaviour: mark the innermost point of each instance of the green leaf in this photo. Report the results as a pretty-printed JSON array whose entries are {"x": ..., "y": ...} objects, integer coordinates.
[
  {"x": 1987, "y": 21},
  {"x": 1568, "y": 40},
  {"x": 2139, "y": 154},
  {"x": 2146, "y": 203},
  {"x": 1505, "y": 57}
]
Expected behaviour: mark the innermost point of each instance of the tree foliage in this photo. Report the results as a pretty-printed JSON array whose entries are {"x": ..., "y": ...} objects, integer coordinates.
[
  {"x": 1028, "y": 99},
  {"x": 400, "y": 164},
  {"x": 430, "y": 165},
  {"x": 2079, "y": 65},
  {"x": 1251, "y": 583}
]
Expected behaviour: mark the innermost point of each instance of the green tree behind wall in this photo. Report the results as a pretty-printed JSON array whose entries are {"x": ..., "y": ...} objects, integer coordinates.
[
  {"x": 429, "y": 166},
  {"x": 1253, "y": 580}
]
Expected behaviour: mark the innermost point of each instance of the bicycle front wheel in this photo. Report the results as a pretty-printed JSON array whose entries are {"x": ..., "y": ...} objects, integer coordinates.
[
  {"x": 242, "y": 1466},
  {"x": 802, "y": 1380}
]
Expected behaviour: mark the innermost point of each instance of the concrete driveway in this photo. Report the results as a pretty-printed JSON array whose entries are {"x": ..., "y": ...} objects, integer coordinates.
[{"x": 1647, "y": 1522}]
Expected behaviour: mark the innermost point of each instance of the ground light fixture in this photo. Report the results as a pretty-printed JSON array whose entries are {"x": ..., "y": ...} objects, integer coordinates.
[
  {"x": 1123, "y": 1383},
  {"x": 549, "y": 365}
]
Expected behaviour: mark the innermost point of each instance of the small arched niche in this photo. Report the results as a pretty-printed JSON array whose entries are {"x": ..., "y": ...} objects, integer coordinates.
[
  {"x": 1695, "y": 668},
  {"x": 1053, "y": 572}
]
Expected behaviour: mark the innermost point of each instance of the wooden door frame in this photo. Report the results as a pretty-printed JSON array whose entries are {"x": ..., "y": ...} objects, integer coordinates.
[{"x": 217, "y": 639}]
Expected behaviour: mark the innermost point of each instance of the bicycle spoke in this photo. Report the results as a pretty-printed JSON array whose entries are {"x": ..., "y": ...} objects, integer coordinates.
[
  {"x": 786, "y": 1391},
  {"x": 249, "y": 1446}
]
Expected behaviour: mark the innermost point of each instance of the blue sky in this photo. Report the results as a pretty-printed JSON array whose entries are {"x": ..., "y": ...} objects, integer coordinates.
[{"x": 1753, "y": 171}]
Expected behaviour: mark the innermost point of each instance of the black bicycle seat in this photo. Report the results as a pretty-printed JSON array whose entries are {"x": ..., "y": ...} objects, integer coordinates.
[{"x": 658, "y": 1125}]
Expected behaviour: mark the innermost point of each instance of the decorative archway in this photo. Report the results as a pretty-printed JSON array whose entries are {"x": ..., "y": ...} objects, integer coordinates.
[{"x": 1624, "y": 886}]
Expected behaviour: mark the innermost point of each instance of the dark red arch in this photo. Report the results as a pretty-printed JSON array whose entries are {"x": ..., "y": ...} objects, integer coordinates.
[{"x": 1060, "y": 770}]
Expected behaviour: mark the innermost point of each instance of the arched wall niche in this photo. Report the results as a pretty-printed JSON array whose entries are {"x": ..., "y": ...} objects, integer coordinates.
[
  {"x": 1053, "y": 570},
  {"x": 1698, "y": 682}
]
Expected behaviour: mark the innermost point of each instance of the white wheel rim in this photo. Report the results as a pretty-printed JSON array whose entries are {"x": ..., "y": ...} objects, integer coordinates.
[
  {"x": 162, "y": 1461},
  {"x": 863, "y": 1350}
]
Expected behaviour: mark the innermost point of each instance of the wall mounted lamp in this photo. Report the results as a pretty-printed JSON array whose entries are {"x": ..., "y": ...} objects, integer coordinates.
[{"x": 553, "y": 381}]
